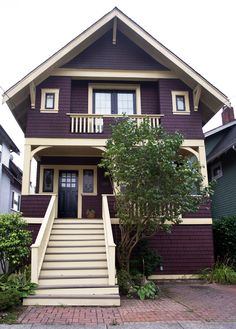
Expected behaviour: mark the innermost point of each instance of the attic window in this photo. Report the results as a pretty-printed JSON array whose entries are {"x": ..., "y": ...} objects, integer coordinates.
[
  {"x": 180, "y": 102},
  {"x": 49, "y": 100}
]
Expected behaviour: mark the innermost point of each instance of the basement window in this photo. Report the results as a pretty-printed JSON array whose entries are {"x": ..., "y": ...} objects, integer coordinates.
[
  {"x": 180, "y": 102},
  {"x": 49, "y": 100}
]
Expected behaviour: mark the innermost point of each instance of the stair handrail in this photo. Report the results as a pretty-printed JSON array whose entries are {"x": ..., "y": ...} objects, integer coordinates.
[
  {"x": 38, "y": 249},
  {"x": 109, "y": 241}
]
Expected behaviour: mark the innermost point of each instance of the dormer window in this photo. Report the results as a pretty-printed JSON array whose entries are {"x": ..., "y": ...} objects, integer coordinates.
[
  {"x": 180, "y": 102},
  {"x": 49, "y": 100}
]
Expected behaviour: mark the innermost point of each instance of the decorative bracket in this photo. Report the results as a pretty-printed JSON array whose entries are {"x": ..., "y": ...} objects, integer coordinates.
[
  {"x": 114, "y": 31},
  {"x": 196, "y": 96},
  {"x": 32, "y": 94}
]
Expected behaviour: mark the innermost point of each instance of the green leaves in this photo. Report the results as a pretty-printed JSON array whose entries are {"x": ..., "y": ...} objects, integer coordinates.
[{"x": 15, "y": 240}]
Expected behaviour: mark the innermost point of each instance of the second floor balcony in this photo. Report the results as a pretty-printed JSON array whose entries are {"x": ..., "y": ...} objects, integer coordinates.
[{"x": 99, "y": 124}]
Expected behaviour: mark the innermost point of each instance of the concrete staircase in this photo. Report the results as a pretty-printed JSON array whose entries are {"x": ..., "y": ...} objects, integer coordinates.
[{"x": 74, "y": 269}]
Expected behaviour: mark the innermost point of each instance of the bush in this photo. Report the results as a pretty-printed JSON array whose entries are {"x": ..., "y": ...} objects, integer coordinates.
[
  {"x": 144, "y": 259},
  {"x": 224, "y": 230},
  {"x": 124, "y": 281},
  {"x": 147, "y": 291},
  {"x": 220, "y": 273},
  {"x": 14, "y": 241},
  {"x": 8, "y": 299}
]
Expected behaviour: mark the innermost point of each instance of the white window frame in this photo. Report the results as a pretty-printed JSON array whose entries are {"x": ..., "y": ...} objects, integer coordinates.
[
  {"x": 17, "y": 203},
  {"x": 213, "y": 167},
  {"x": 114, "y": 86},
  {"x": 44, "y": 92},
  {"x": 185, "y": 94}
]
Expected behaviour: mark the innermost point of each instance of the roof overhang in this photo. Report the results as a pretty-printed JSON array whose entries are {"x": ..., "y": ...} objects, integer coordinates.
[{"x": 17, "y": 96}]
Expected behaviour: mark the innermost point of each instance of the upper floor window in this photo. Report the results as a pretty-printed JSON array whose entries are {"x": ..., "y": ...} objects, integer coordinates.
[
  {"x": 117, "y": 99},
  {"x": 114, "y": 102},
  {"x": 216, "y": 170},
  {"x": 180, "y": 102},
  {"x": 49, "y": 100},
  {"x": 15, "y": 201}
]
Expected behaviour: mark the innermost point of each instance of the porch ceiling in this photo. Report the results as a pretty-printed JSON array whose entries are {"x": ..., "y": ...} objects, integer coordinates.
[{"x": 75, "y": 151}]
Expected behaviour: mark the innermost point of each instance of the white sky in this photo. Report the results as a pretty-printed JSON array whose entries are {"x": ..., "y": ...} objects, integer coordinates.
[{"x": 202, "y": 33}]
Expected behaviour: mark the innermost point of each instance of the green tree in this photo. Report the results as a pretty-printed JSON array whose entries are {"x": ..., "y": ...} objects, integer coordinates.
[
  {"x": 15, "y": 240},
  {"x": 156, "y": 182}
]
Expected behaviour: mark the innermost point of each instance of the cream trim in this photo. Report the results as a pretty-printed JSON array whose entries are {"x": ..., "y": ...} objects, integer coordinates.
[
  {"x": 43, "y": 99},
  {"x": 32, "y": 94},
  {"x": 184, "y": 221},
  {"x": 114, "y": 74},
  {"x": 94, "y": 142},
  {"x": 26, "y": 170},
  {"x": 33, "y": 220},
  {"x": 79, "y": 169},
  {"x": 196, "y": 96},
  {"x": 185, "y": 94},
  {"x": 173, "y": 277},
  {"x": 111, "y": 86}
]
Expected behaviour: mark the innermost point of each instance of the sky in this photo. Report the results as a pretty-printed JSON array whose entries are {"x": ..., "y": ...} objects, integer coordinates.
[{"x": 202, "y": 33}]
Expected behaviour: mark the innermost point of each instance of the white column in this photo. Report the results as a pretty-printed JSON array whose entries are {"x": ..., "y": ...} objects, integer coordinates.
[{"x": 203, "y": 164}]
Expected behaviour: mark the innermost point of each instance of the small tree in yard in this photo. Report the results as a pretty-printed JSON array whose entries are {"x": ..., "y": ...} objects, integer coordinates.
[
  {"x": 158, "y": 182},
  {"x": 14, "y": 241}
]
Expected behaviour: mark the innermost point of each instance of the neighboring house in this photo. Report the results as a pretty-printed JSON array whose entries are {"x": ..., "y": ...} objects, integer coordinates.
[
  {"x": 10, "y": 175},
  {"x": 66, "y": 107},
  {"x": 221, "y": 162}
]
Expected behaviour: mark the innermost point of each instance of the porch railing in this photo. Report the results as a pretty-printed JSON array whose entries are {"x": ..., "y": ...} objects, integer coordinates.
[
  {"x": 94, "y": 123},
  {"x": 38, "y": 249},
  {"x": 109, "y": 242}
]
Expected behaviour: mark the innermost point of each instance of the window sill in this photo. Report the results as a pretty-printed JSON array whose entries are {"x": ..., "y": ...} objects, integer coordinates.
[
  {"x": 89, "y": 194},
  {"x": 49, "y": 111},
  {"x": 181, "y": 113}
]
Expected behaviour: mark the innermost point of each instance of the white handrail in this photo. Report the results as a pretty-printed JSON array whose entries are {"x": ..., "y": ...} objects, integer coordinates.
[
  {"x": 38, "y": 249},
  {"x": 109, "y": 242}
]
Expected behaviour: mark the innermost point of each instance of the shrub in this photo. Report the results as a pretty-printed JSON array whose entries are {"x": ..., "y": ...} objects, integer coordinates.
[
  {"x": 144, "y": 259},
  {"x": 224, "y": 230},
  {"x": 124, "y": 281},
  {"x": 14, "y": 241},
  {"x": 148, "y": 290},
  {"x": 8, "y": 299},
  {"x": 220, "y": 273}
]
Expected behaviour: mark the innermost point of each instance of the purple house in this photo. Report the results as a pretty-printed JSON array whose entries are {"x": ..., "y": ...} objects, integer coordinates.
[{"x": 66, "y": 107}]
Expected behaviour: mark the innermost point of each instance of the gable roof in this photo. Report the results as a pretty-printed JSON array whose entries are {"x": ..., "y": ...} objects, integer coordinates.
[
  {"x": 17, "y": 96},
  {"x": 227, "y": 141},
  {"x": 4, "y": 137}
]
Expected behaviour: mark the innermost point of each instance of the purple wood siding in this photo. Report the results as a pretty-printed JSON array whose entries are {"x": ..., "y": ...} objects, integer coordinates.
[
  {"x": 203, "y": 212},
  {"x": 34, "y": 229},
  {"x": 34, "y": 205},
  {"x": 51, "y": 124},
  {"x": 187, "y": 250},
  {"x": 125, "y": 55},
  {"x": 189, "y": 125}
]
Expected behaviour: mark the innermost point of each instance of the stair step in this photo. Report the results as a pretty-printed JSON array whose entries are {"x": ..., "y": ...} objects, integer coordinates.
[
  {"x": 76, "y": 238},
  {"x": 84, "y": 245},
  {"x": 82, "y": 231},
  {"x": 73, "y": 256},
  {"x": 80, "y": 271},
  {"x": 78, "y": 220},
  {"x": 73, "y": 279},
  {"x": 74, "y": 300},
  {"x": 77, "y": 226},
  {"x": 76, "y": 289},
  {"x": 100, "y": 263}
]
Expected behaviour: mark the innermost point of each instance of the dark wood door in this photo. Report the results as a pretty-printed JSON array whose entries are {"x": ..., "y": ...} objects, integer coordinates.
[{"x": 68, "y": 194}]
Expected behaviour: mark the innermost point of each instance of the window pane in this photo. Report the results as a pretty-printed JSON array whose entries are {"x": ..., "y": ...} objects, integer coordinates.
[
  {"x": 88, "y": 175},
  {"x": 102, "y": 103},
  {"x": 125, "y": 103},
  {"x": 15, "y": 202},
  {"x": 49, "y": 101},
  {"x": 180, "y": 103},
  {"x": 48, "y": 180}
]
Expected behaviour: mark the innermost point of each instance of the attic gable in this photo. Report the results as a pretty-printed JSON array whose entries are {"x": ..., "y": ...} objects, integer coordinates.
[{"x": 124, "y": 55}]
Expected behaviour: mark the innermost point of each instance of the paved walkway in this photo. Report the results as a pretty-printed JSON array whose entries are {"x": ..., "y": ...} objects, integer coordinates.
[{"x": 188, "y": 303}]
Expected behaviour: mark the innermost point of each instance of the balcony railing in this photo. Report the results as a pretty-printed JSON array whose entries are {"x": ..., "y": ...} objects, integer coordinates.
[{"x": 94, "y": 123}]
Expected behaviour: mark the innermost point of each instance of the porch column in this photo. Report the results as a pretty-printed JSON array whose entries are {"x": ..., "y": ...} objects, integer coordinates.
[
  {"x": 203, "y": 164},
  {"x": 26, "y": 170}
]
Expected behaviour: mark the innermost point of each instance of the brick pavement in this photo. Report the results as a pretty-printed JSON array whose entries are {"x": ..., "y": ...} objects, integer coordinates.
[{"x": 178, "y": 302}]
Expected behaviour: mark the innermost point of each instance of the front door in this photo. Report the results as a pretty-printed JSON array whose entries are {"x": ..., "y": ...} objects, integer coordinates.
[{"x": 68, "y": 194}]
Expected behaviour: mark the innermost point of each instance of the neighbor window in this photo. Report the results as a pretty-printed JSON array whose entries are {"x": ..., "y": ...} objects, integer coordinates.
[
  {"x": 15, "y": 201},
  {"x": 180, "y": 102},
  {"x": 49, "y": 100},
  {"x": 216, "y": 170},
  {"x": 48, "y": 175},
  {"x": 0, "y": 152},
  {"x": 114, "y": 102}
]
